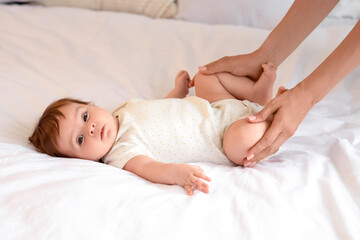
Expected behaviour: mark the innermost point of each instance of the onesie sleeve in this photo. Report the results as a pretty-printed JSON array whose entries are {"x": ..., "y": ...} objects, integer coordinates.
[{"x": 122, "y": 152}]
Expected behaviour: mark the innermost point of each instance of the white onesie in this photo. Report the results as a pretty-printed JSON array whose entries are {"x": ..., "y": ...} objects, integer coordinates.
[{"x": 175, "y": 130}]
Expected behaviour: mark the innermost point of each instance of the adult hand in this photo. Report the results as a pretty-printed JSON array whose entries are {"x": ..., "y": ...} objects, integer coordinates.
[
  {"x": 289, "y": 108},
  {"x": 240, "y": 65}
]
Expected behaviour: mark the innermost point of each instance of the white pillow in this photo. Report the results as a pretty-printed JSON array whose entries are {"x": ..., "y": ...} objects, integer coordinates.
[
  {"x": 150, "y": 8},
  {"x": 257, "y": 13},
  {"x": 19, "y": 1},
  {"x": 254, "y": 13},
  {"x": 345, "y": 12}
]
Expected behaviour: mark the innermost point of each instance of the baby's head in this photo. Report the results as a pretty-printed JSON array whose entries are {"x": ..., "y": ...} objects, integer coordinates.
[{"x": 73, "y": 128}]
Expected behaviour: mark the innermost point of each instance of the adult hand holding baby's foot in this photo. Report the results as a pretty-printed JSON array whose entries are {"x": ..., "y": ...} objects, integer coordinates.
[
  {"x": 281, "y": 90},
  {"x": 240, "y": 65}
]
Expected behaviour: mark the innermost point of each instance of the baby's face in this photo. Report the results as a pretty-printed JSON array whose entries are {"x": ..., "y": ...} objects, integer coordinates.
[{"x": 87, "y": 131}]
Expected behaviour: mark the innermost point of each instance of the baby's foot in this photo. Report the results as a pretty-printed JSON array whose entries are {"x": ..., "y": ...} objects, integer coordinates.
[
  {"x": 269, "y": 71},
  {"x": 281, "y": 90},
  {"x": 264, "y": 86},
  {"x": 182, "y": 81}
]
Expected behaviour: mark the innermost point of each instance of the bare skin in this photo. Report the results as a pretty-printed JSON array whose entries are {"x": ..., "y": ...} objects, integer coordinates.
[
  {"x": 239, "y": 137},
  {"x": 289, "y": 109},
  {"x": 88, "y": 131},
  {"x": 227, "y": 86}
]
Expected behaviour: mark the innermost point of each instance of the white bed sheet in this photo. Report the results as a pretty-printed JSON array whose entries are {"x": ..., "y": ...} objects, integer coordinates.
[{"x": 309, "y": 190}]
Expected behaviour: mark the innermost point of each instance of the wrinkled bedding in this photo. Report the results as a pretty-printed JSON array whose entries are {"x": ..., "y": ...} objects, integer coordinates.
[{"x": 310, "y": 189}]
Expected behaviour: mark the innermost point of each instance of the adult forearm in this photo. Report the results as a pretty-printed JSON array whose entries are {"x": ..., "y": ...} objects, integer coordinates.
[
  {"x": 344, "y": 59},
  {"x": 301, "y": 19}
]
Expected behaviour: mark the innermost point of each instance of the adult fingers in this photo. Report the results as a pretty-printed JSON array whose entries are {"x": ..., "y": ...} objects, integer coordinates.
[
  {"x": 266, "y": 152},
  {"x": 265, "y": 113},
  {"x": 268, "y": 139},
  {"x": 223, "y": 64}
]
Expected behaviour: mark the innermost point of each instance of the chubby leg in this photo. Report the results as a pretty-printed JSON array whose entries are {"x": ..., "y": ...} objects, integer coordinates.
[
  {"x": 225, "y": 85},
  {"x": 244, "y": 88},
  {"x": 240, "y": 137},
  {"x": 210, "y": 88}
]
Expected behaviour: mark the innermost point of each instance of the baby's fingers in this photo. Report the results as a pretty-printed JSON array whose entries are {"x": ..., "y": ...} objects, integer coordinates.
[
  {"x": 203, "y": 176},
  {"x": 201, "y": 186},
  {"x": 189, "y": 190},
  {"x": 197, "y": 184}
]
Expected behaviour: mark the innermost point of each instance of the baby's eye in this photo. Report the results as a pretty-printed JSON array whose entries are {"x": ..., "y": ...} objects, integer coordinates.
[
  {"x": 85, "y": 116},
  {"x": 80, "y": 139}
]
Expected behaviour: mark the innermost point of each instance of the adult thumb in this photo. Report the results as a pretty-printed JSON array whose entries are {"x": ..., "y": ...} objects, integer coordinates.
[
  {"x": 260, "y": 116},
  {"x": 221, "y": 65}
]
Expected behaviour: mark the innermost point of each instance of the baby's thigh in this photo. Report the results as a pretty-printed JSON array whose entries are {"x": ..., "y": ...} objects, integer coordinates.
[
  {"x": 240, "y": 137},
  {"x": 210, "y": 88}
]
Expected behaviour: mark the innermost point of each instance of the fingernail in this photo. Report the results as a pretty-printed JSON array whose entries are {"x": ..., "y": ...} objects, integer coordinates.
[
  {"x": 251, "y": 118},
  {"x": 250, "y": 157},
  {"x": 202, "y": 68}
]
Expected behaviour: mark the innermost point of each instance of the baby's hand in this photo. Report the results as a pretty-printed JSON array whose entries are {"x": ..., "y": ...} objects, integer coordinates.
[{"x": 190, "y": 176}]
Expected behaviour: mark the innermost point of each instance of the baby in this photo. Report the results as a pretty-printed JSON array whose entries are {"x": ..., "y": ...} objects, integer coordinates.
[{"x": 156, "y": 138}]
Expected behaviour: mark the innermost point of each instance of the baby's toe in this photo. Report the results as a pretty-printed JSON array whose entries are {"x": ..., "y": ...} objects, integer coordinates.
[{"x": 269, "y": 67}]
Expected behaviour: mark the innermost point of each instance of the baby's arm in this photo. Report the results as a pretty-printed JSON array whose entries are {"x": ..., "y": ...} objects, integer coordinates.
[
  {"x": 187, "y": 176},
  {"x": 181, "y": 88}
]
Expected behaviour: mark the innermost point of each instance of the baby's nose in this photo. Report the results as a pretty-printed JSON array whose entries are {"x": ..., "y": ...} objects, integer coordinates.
[{"x": 92, "y": 129}]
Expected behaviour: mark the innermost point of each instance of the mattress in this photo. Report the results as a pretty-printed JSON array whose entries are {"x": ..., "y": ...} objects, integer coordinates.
[{"x": 310, "y": 189}]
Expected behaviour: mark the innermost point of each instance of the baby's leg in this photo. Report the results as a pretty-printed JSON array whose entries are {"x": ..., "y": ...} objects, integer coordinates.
[
  {"x": 210, "y": 88},
  {"x": 240, "y": 137},
  {"x": 225, "y": 85},
  {"x": 244, "y": 88}
]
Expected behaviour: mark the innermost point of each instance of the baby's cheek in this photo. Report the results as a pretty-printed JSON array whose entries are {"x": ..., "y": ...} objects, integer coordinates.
[{"x": 94, "y": 150}]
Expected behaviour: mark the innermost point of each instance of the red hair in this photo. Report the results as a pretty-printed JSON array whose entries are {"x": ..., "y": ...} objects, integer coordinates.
[{"x": 46, "y": 131}]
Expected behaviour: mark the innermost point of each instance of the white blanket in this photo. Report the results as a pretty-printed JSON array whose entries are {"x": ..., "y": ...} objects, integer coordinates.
[{"x": 309, "y": 190}]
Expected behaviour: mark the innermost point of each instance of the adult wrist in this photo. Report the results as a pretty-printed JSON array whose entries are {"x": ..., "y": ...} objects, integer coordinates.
[
  {"x": 309, "y": 93},
  {"x": 260, "y": 56}
]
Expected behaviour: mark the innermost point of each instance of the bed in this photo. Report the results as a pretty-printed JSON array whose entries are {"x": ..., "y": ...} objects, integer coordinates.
[{"x": 310, "y": 189}]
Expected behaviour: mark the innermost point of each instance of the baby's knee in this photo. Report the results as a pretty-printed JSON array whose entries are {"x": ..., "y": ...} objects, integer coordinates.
[
  {"x": 240, "y": 137},
  {"x": 208, "y": 87},
  {"x": 200, "y": 80}
]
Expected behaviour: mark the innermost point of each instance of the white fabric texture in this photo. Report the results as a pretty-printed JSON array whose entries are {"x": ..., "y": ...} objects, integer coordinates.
[
  {"x": 310, "y": 189},
  {"x": 257, "y": 13},
  {"x": 150, "y": 8},
  {"x": 175, "y": 130}
]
